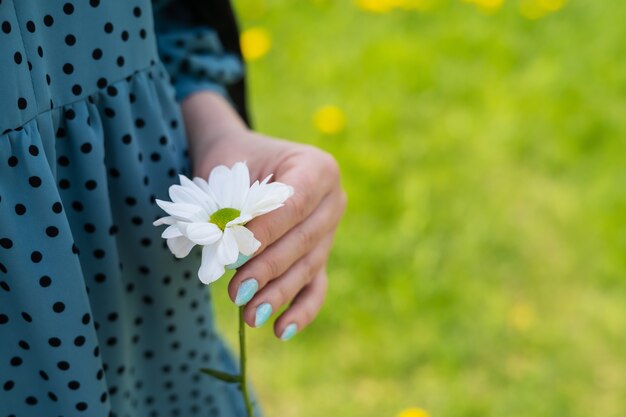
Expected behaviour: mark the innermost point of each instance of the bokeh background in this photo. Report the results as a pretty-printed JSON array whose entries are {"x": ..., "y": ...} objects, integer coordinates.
[{"x": 480, "y": 268}]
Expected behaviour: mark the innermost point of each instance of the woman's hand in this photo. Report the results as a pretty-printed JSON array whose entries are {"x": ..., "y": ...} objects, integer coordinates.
[{"x": 290, "y": 266}]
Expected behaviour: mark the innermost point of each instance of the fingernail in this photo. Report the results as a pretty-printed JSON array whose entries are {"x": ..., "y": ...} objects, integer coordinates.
[
  {"x": 263, "y": 312},
  {"x": 289, "y": 332},
  {"x": 242, "y": 259},
  {"x": 246, "y": 291}
]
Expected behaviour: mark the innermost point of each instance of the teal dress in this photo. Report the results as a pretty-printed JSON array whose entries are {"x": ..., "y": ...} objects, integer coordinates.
[{"x": 97, "y": 318}]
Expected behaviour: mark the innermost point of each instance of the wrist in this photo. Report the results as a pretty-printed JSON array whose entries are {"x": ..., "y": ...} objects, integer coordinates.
[{"x": 209, "y": 120}]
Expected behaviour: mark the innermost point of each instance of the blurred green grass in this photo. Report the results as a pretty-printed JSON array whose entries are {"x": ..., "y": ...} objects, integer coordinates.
[{"x": 479, "y": 270}]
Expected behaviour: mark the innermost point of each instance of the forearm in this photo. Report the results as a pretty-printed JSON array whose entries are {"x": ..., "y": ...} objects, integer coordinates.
[{"x": 209, "y": 117}]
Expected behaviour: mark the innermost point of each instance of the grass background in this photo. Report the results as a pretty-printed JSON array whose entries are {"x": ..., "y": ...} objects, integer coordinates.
[{"x": 479, "y": 270}]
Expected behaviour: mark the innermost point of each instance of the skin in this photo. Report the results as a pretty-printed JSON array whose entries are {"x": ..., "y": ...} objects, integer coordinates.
[{"x": 296, "y": 239}]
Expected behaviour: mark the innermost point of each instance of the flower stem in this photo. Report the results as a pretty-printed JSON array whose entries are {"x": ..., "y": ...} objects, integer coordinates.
[{"x": 242, "y": 360}]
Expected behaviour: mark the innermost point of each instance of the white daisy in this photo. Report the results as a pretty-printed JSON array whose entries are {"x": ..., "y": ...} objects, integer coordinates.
[{"x": 213, "y": 215}]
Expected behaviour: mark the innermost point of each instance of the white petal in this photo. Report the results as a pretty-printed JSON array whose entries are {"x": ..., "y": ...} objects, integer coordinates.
[
  {"x": 203, "y": 194},
  {"x": 183, "y": 211},
  {"x": 202, "y": 233},
  {"x": 246, "y": 242},
  {"x": 164, "y": 220},
  {"x": 241, "y": 220},
  {"x": 210, "y": 269},
  {"x": 180, "y": 246},
  {"x": 227, "y": 251},
  {"x": 171, "y": 232},
  {"x": 266, "y": 197},
  {"x": 240, "y": 183},
  {"x": 221, "y": 185}
]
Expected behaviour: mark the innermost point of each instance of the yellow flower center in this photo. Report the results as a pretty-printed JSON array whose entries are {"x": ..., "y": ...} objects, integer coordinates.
[{"x": 223, "y": 216}]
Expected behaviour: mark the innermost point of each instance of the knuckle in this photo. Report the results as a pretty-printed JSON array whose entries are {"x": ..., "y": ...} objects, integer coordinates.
[
  {"x": 281, "y": 295},
  {"x": 343, "y": 201},
  {"x": 301, "y": 202},
  {"x": 306, "y": 238},
  {"x": 330, "y": 164},
  {"x": 308, "y": 268},
  {"x": 271, "y": 267}
]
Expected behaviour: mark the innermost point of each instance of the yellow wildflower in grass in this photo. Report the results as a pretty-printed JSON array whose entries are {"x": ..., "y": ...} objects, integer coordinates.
[
  {"x": 551, "y": 5},
  {"x": 329, "y": 120},
  {"x": 521, "y": 316},
  {"x": 255, "y": 43},
  {"x": 536, "y": 9},
  {"x": 384, "y": 6},
  {"x": 413, "y": 412},
  {"x": 376, "y": 6},
  {"x": 488, "y": 6}
]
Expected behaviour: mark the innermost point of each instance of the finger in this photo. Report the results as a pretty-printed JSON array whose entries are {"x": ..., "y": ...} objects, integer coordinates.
[
  {"x": 283, "y": 289},
  {"x": 291, "y": 247},
  {"x": 303, "y": 309},
  {"x": 312, "y": 177}
]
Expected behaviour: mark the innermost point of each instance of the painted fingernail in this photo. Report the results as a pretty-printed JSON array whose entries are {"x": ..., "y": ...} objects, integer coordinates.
[
  {"x": 289, "y": 332},
  {"x": 242, "y": 259},
  {"x": 263, "y": 312},
  {"x": 246, "y": 291}
]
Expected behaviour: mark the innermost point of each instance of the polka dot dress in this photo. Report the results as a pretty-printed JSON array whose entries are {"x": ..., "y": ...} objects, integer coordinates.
[{"x": 97, "y": 318}]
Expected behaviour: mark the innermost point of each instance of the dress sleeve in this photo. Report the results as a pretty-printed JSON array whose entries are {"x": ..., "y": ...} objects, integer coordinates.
[{"x": 192, "y": 52}]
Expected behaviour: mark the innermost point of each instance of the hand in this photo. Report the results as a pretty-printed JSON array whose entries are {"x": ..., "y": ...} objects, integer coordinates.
[{"x": 290, "y": 266}]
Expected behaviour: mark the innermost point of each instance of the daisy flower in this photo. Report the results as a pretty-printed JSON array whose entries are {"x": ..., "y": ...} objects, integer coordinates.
[{"x": 213, "y": 214}]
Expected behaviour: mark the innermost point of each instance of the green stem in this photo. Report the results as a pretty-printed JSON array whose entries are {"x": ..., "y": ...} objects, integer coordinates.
[{"x": 242, "y": 360}]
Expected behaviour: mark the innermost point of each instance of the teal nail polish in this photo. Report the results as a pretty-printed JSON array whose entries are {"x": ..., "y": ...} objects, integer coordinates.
[
  {"x": 242, "y": 259},
  {"x": 263, "y": 312},
  {"x": 289, "y": 332},
  {"x": 246, "y": 291}
]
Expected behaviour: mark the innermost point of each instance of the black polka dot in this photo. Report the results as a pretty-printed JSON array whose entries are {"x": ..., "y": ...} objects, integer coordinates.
[
  {"x": 63, "y": 161},
  {"x": 96, "y": 54},
  {"x": 54, "y": 342},
  {"x": 4, "y": 319},
  {"x": 68, "y": 68},
  {"x": 27, "y": 317},
  {"x": 34, "y": 181},
  {"x": 12, "y": 161},
  {"x": 120, "y": 61},
  {"x": 6, "y": 243},
  {"x": 73, "y": 385},
  {"x": 102, "y": 82},
  {"x": 70, "y": 40},
  {"x": 125, "y": 35},
  {"x": 17, "y": 57},
  {"x": 45, "y": 281},
  {"x": 77, "y": 89},
  {"x": 22, "y": 103},
  {"x": 68, "y": 8},
  {"x": 30, "y": 400},
  {"x": 79, "y": 340},
  {"x": 58, "y": 307},
  {"x": 57, "y": 207},
  {"x": 48, "y": 20},
  {"x": 108, "y": 27},
  {"x": 20, "y": 209},
  {"x": 16, "y": 361},
  {"x": 86, "y": 147},
  {"x": 30, "y": 26},
  {"x": 63, "y": 365},
  {"x": 52, "y": 231},
  {"x": 5, "y": 286},
  {"x": 91, "y": 184}
]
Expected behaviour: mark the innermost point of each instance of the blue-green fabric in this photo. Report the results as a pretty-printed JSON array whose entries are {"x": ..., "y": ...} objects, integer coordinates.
[{"x": 97, "y": 318}]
